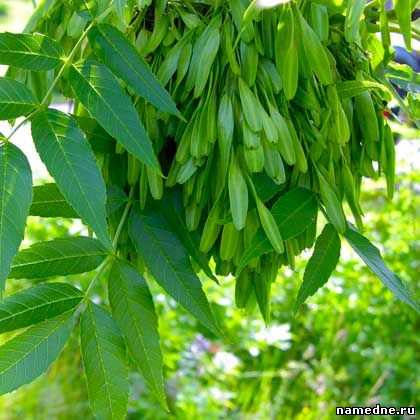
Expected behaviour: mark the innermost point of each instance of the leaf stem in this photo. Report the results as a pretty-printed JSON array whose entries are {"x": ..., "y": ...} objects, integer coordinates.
[{"x": 123, "y": 218}]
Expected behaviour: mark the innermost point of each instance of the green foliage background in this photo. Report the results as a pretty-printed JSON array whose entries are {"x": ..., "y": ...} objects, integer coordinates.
[{"x": 351, "y": 344}]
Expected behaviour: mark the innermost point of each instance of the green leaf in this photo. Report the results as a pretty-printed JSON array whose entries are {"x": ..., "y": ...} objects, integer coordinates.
[
  {"x": 122, "y": 58},
  {"x": 104, "y": 361},
  {"x": 117, "y": 199},
  {"x": 36, "y": 304},
  {"x": 60, "y": 257},
  {"x": 15, "y": 200},
  {"x": 119, "y": 7},
  {"x": 134, "y": 312},
  {"x": 28, "y": 355},
  {"x": 86, "y": 8},
  {"x": 351, "y": 88},
  {"x": 321, "y": 264},
  {"x": 15, "y": 99},
  {"x": 172, "y": 209},
  {"x": 69, "y": 159},
  {"x": 169, "y": 264},
  {"x": 403, "y": 11},
  {"x": 49, "y": 202},
  {"x": 30, "y": 51},
  {"x": 99, "y": 91},
  {"x": 372, "y": 258},
  {"x": 293, "y": 212}
]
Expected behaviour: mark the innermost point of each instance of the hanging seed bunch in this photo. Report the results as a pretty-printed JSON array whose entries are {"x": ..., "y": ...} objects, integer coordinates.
[
  {"x": 276, "y": 104},
  {"x": 250, "y": 122}
]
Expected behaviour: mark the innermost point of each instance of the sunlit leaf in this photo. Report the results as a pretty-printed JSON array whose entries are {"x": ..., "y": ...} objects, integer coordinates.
[
  {"x": 104, "y": 361},
  {"x": 15, "y": 99}
]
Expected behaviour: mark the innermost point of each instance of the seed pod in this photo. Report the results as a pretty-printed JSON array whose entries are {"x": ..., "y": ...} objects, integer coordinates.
[
  {"x": 143, "y": 40},
  {"x": 318, "y": 59},
  {"x": 310, "y": 234},
  {"x": 192, "y": 216},
  {"x": 273, "y": 163},
  {"x": 173, "y": 174},
  {"x": 229, "y": 241},
  {"x": 170, "y": 64},
  {"x": 352, "y": 23},
  {"x": 290, "y": 254},
  {"x": 249, "y": 63},
  {"x": 350, "y": 192},
  {"x": 366, "y": 117},
  {"x": 155, "y": 183},
  {"x": 301, "y": 161},
  {"x": 340, "y": 130},
  {"x": 332, "y": 204},
  {"x": 160, "y": 29},
  {"x": 133, "y": 169},
  {"x": 184, "y": 145},
  {"x": 238, "y": 193},
  {"x": 286, "y": 54},
  {"x": 144, "y": 186},
  {"x": 230, "y": 52},
  {"x": 254, "y": 159},
  {"x": 269, "y": 127},
  {"x": 250, "y": 105},
  {"x": 251, "y": 226},
  {"x": 225, "y": 128},
  {"x": 183, "y": 63},
  {"x": 366, "y": 167},
  {"x": 186, "y": 171},
  {"x": 212, "y": 226},
  {"x": 269, "y": 67},
  {"x": 390, "y": 158},
  {"x": 208, "y": 55},
  {"x": 270, "y": 226},
  {"x": 243, "y": 289},
  {"x": 285, "y": 142},
  {"x": 250, "y": 138},
  {"x": 320, "y": 21},
  {"x": 262, "y": 287}
]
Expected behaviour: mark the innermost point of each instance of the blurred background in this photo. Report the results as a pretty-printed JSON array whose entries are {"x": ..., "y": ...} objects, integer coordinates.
[{"x": 352, "y": 344}]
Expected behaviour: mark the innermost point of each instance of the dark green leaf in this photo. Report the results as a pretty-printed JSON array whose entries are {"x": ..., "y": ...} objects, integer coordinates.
[
  {"x": 49, "y": 202},
  {"x": 28, "y": 355},
  {"x": 36, "y": 304},
  {"x": 60, "y": 257},
  {"x": 169, "y": 264},
  {"x": 122, "y": 58},
  {"x": 69, "y": 159},
  {"x": 134, "y": 311},
  {"x": 15, "y": 99},
  {"x": 265, "y": 187},
  {"x": 98, "y": 90},
  {"x": 321, "y": 264},
  {"x": 117, "y": 198},
  {"x": 104, "y": 360},
  {"x": 15, "y": 200},
  {"x": 30, "y": 51},
  {"x": 372, "y": 258},
  {"x": 293, "y": 212},
  {"x": 172, "y": 209},
  {"x": 98, "y": 138}
]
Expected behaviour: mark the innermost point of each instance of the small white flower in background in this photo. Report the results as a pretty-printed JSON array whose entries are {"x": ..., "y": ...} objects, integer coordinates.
[
  {"x": 226, "y": 361},
  {"x": 267, "y": 4},
  {"x": 275, "y": 334}
]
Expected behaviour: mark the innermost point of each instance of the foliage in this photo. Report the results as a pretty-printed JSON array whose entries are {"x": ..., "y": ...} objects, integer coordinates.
[{"x": 295, "y": 134}]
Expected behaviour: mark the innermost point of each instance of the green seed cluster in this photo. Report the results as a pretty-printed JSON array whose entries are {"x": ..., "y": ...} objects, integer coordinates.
[{"x": 271, "y": 96}]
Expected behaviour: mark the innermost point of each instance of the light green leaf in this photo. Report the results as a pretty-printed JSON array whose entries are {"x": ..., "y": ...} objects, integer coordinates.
[
  {"x": 169, "y": 264},
  {"x": 28, "y": 355},
  {"x": 293, "y": 212},
  {"x": 69, "y": 159},
  {"x": 321, "y": 264},
  {"x": 351, "y": 88},
  {"x": 15, "y": 99},
  {"x": 36, "y": 304},
  {"x": 60, "y": 257},
  {"x": 30, "y": 51},
  {"x": 372, "y": 258},
  {"x": 134, "y": 312},
  {"x": 98, "y": 90},
  {"x": 49, "y": 202},
  {"x": 104, "y": 361},
  {"x": 403, "y": 11},
  {"x": 15, "y": 200},
  {"x": 119, "y": 7},
  {"x": 122, "y": 58}
]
